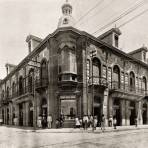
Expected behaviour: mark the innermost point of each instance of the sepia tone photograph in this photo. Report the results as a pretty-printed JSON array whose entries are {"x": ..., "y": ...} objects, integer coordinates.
[{"x": 73, "y": 74}]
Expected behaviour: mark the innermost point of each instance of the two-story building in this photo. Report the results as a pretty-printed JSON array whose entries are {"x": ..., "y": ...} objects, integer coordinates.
[{"x": 73, "y": 73}]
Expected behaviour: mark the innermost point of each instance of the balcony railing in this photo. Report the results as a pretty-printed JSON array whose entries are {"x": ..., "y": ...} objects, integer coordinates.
[
  {"x": 100, "y": 81},
  {"x": 116, "y": 86},
  {"x": 41, "y": 83}
]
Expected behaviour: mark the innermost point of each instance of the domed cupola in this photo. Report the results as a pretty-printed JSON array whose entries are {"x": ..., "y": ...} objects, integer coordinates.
[{"x": 66, "y": 20}]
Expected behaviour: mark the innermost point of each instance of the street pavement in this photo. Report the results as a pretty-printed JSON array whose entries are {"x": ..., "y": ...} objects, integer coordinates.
[{"x": 123, "y": 137}]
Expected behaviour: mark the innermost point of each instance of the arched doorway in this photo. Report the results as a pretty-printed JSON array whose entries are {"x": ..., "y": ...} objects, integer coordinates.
[
  {"x": 44, "y": 72},
  {"x": 117, "y": 111},
  {"x": 144, "y": 85},
  {"x": 116, "y": 77},
  {"x": 97, "y": 108},
  {"x": 21, "y": 86},
  {"x": 132, "y": 112},
  {"x": 44, "y": 112},
  {"x": 132, "y": 81},
  {"x": 30, "y": 80},
  {"x": 144, "y": 113},
  {"x": 96, "y": 70},
  {"x": 30, "y": 114}
]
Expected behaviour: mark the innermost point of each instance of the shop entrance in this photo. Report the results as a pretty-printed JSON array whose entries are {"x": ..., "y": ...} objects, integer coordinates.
[
  {"x": 21, "y": 114},
  {"x": 132, "y": 113},
  {"x": 117, "y": 111},
  {"x": 44, "y": 112},
  {"x": 98, "y": 108},
  {"x": 3, "y": 116},
  {"x": 31, "y": 114},
  {"x": 144, "y": 114},
  {"x": 7, "y": 116}
]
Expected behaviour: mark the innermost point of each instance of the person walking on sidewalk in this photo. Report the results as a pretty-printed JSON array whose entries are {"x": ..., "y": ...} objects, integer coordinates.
[
  {"x": 110, "y": 121},
  {"x": 49, "y": 121},
  {"x": 102, "y": 122},
  {"x": 95, "y": 122},
  {"x": 114, "y": 122},
  {"x": 85, "y": 122},
  {"x": 77, "y": 122},
  {"x": 136, "y": 122}
]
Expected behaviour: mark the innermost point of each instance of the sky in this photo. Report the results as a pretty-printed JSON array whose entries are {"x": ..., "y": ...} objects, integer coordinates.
[{"x": 19, "y": 18}]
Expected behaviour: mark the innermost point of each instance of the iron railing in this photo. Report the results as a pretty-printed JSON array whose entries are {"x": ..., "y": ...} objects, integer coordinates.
[
  {"x": 117, "y": 86},
  {"x": 100, "y": 81}
]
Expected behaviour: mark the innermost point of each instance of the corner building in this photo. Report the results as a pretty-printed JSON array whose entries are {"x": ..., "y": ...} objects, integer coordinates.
[{"x": 73, "y": 73}]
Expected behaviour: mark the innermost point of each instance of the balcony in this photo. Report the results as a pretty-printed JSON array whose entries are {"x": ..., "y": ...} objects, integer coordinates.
[
  {"x": 121, "y": 87},
  {"x": 41, "y": 83},
  {"x": 67, "y": 80},
  {"x": 6, "y": 101},
  {"x": 98, "y": 81}
]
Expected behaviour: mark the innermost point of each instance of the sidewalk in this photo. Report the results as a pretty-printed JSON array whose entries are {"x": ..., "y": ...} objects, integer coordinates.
[
  {"x": 89, "y": 130},
  {"x": 73, "y": 130}
]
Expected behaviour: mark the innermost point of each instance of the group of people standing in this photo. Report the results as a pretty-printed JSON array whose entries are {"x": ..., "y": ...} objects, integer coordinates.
[
  {"x": 44, "y": 122},
  {"x": 92, "y": 122}
]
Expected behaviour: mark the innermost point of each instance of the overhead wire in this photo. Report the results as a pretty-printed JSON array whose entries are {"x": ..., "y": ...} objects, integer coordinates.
[
  {"x": 128, "y": 21},
  {"x": 99, "y": 3},
  {"x": 100, "y": 10},
  {"x": 128, "y": 11}
]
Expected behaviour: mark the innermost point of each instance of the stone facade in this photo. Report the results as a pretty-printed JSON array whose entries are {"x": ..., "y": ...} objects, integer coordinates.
[{"x": 71, "y": 73}]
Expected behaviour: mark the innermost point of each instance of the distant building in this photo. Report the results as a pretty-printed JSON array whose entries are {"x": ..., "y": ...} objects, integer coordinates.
[{"x": 72, "y": 73}]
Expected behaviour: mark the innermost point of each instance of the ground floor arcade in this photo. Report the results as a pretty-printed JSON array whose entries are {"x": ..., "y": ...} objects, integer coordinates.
[{"x": 27, "y": 111}]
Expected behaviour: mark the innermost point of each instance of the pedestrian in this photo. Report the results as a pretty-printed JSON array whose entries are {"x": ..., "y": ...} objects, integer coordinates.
[
  {"x": 61, "y": 120},
  {"x": 114, "y": 122},
  {"x": 110, "y": 121},
  {"x": 85, "y": 122},
  {"x": 57, "y": 123},
  {"x": 77, "y": 122},
  {"x": 136, "y": 122},
  {"x": 91, "y": 121},
  {"x": 102, "y": 122},
  {"x": 49, "y": 121},
  {"x": 81, "y": 123},
  {"x": 39, "y": 121},
  {"x": 95, "y": 122}
]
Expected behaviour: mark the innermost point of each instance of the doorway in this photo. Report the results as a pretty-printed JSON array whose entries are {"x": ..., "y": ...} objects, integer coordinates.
[
  {"x": 21, "y": 114},
  {"x": 117, "y": 111},
  {"x": 144, "y": 114},
  {"x": 132, "y": 113},
  {"x": 98, "y": 108},
  {"x": 31, "y": 114},
  {"x": 44, "y": 112}
]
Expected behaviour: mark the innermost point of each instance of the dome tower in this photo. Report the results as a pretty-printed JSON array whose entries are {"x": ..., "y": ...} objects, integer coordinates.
[{"x": 66, "y": 20}]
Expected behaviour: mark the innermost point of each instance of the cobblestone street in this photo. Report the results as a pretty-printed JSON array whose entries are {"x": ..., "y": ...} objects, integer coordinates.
[{"x": 20, "y": 138}]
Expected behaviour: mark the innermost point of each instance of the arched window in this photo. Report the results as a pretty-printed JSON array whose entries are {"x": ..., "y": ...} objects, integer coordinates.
[
  {"x": 144, "y": 83},
  {"x": 44, "y": 72},
  {"x": 116, "y": 77},
  {"x": 7, "y": 92},
  {"x": 132, "y": 81},
  {"x": 30, "y": 80},
  {"x": 96, "y": 70},
  {"x": 13, "y": 88},
  {"x": 21, "y": 87}
]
